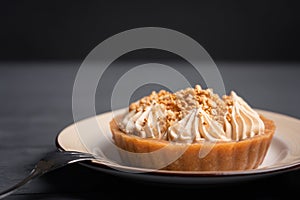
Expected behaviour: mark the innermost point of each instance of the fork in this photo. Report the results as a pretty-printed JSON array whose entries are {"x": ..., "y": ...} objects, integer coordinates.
[{"x": 51, "y": 161}]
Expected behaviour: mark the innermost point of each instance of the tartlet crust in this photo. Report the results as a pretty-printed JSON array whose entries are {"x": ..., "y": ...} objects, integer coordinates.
[{"x": 223, "y": 156}]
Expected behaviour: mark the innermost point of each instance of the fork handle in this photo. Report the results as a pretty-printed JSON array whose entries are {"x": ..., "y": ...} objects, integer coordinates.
[
  {"x": 33, "y": 174},
  {"x": 43, "y": 166},
  {"x": 51, "y": 161}
]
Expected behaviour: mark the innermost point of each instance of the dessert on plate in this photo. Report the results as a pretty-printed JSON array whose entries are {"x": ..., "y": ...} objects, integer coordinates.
[{"x": 192, "y": 130}]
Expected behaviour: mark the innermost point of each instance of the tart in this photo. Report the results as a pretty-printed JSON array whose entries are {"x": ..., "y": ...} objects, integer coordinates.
[{"x": 192, "y": 130}]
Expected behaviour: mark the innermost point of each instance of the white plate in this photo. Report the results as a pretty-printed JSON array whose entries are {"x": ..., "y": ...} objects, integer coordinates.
[{"x": 93, "y": 135}]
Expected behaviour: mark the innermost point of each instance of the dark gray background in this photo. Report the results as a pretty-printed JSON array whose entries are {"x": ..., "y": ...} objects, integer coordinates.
[{"x": 228, "y": 30}]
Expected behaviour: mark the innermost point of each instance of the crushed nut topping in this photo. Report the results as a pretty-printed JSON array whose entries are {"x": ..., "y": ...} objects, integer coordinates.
[{"x": 178, "y": 104}]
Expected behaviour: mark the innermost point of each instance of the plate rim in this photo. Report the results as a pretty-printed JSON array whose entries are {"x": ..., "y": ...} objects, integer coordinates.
[{"x": 184, "y": 174}]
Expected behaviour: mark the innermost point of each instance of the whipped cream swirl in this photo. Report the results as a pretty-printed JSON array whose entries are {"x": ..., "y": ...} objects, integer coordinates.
[
  {"x": 147, "y": 123},
  {"x": 192, "y": 115},
  {"x": 197, "y": 126},
  {"x": 244, "y": 121}
]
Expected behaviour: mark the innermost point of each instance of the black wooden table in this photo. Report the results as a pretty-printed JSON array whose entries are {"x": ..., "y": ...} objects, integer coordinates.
[{"x": 36, "y": 103}]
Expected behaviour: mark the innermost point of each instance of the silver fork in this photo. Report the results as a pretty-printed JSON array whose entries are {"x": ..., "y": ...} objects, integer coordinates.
[{"x": 51, "y": 161}]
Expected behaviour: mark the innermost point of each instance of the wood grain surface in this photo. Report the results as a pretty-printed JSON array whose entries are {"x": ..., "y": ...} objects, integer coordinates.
[{"x": 36, "y": 103}]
